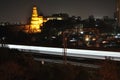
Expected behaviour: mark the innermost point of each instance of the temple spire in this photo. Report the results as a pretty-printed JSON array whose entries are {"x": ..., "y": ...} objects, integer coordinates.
[{"x": 35, "y": 21}]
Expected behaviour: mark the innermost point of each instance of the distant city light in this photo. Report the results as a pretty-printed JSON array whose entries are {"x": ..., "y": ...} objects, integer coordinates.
[{"x": 82, "y": 32}]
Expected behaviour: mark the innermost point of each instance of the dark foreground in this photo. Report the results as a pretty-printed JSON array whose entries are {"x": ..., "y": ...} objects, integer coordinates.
[{"x": 15, "y": 65}]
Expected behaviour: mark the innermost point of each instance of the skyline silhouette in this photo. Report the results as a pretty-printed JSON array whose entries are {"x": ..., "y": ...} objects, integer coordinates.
[{"x": 20, "y": 11}]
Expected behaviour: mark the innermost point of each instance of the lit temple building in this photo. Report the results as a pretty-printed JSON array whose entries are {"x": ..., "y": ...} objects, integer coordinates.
[{"x": 36, "y": 22}]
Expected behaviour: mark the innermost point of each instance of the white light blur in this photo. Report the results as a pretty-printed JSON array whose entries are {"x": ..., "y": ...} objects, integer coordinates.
[
  {"x": 82, "y": 32},
  {"x": 70, "y": 52}
]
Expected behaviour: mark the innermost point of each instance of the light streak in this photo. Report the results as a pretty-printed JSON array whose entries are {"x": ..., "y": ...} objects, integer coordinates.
[{"x": 70, "y": 52}]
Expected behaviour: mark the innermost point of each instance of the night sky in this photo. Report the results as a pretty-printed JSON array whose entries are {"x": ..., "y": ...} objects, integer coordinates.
[{"x": 20, "y": 10}]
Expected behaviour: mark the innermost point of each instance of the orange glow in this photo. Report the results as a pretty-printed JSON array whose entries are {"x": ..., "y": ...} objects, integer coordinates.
[{"x": 36, "y": 21}]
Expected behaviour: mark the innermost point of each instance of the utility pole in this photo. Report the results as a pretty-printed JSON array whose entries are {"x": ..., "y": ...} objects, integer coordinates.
[
  {"x": 64, "y": 47},
  {"x": 117, "y": 17},
  {"x": 118, "y": 11}
]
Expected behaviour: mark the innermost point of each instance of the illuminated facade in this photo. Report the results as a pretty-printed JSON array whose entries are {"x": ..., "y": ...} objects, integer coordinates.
[
  {"x": 36, "y": 21},
  {"x": 54, "y": 18}
]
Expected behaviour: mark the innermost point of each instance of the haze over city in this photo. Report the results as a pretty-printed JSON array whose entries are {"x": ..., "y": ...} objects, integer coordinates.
[{"x": 20, "y": 11}]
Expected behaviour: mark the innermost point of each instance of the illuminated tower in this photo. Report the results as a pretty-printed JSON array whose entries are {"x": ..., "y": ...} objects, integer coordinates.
[{"x": 36, "y": 21}]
